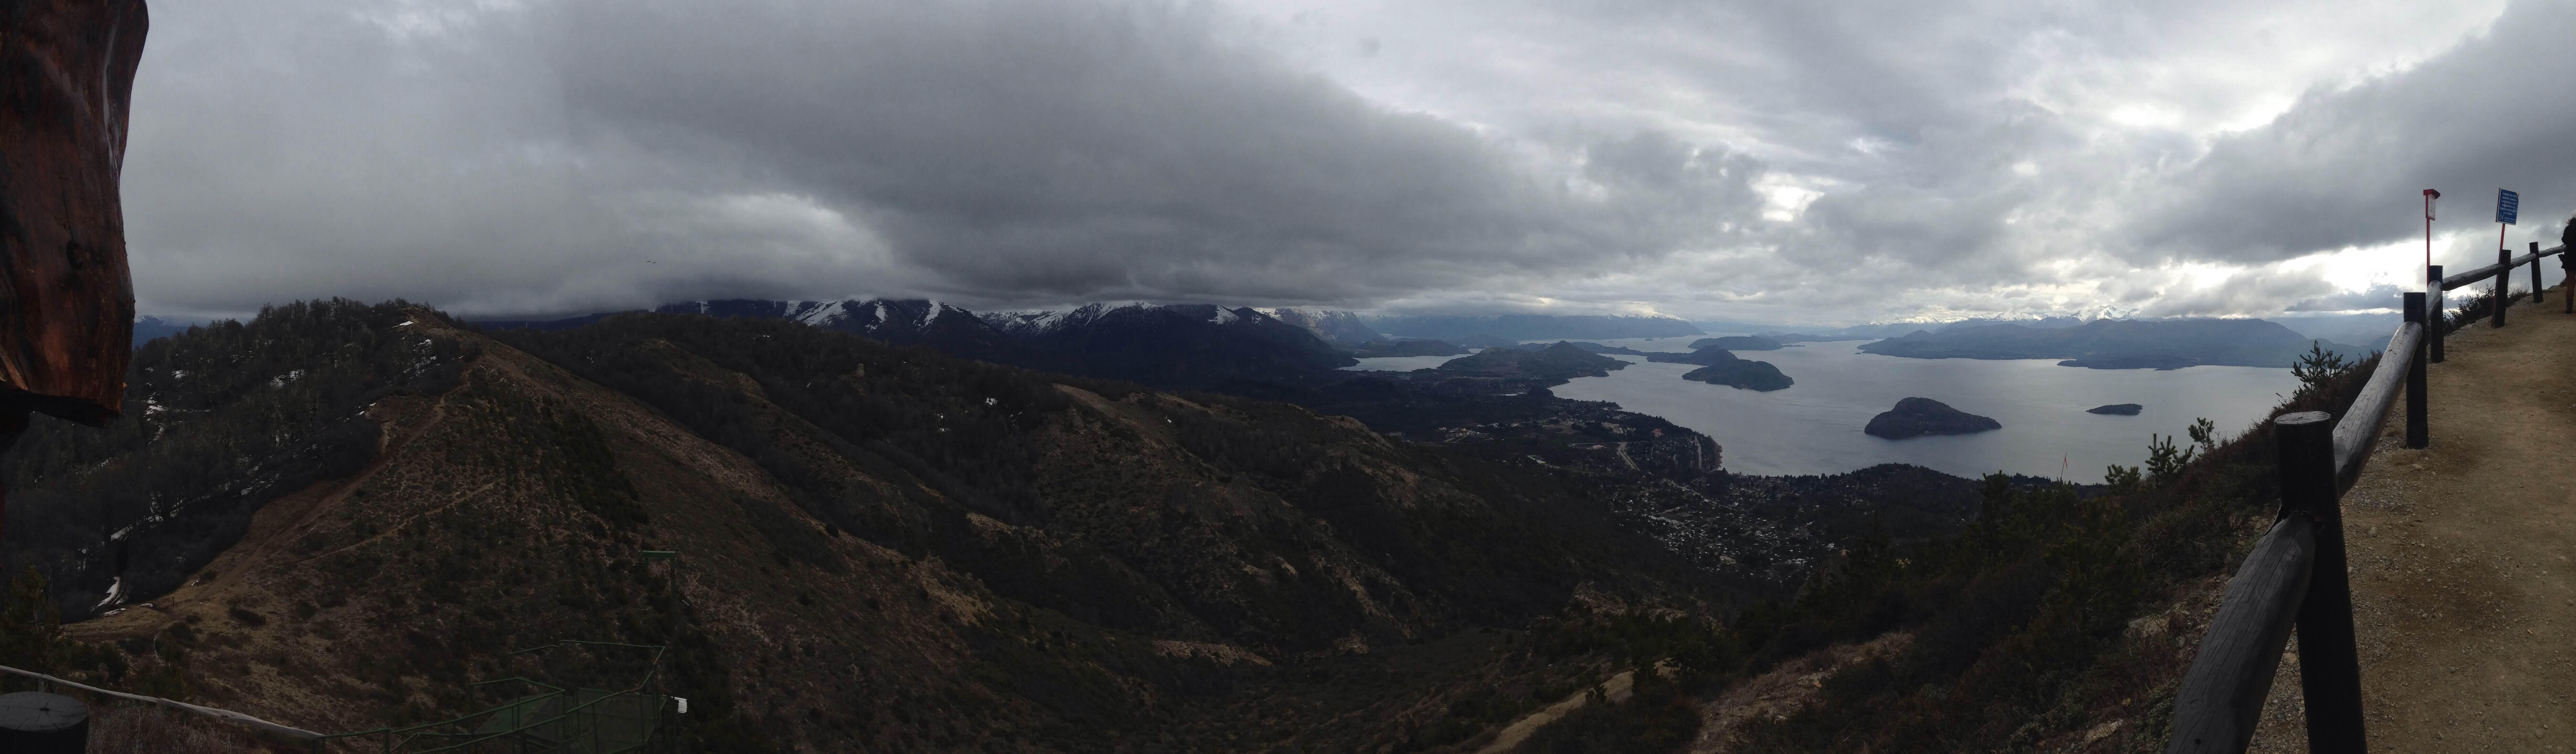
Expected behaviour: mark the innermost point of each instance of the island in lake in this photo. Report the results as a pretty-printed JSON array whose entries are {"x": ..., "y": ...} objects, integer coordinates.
[
  {"x": 1915, "y": 417},
  {"x": 1738, "y": 343},
  {"x": 1721, "y": 367},
  {"x": 1554, "y": 365},
  {"x": 2116, "y": 409}
]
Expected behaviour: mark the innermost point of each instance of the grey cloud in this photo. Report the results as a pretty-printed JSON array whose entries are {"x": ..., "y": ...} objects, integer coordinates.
[
  {"x": 2375, "y": 297},
  {"x": 589, "y": 154},
  {"x": 1054, "y": 151},
  {"x": 2259, "y": 289},
  {"x": 562, "y": 155},
  {"x": 2343, "y": 167}
]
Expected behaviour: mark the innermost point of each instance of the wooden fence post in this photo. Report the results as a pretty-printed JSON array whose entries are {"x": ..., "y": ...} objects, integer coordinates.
[
  {"x": 2440, "y": 313},
  {"x": 2417, "y": 434},
  {"x": 2504, "y": 275},
  {"x": 2535, "y": 273},
  {"x": 2329, "y": 665}
]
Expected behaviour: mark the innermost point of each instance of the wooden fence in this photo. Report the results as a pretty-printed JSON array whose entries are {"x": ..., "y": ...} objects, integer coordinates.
[{"x": 2296, "y": 575}]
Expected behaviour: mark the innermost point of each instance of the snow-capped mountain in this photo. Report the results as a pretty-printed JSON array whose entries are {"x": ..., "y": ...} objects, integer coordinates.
[
  {"x": 1337, "y": 327},
  {"x": 803, "y": 311},
  {"x": 1193, "y": 346}
]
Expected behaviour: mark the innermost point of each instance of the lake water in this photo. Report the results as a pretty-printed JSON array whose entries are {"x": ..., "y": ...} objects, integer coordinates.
[{"x": 1814, "y": 427}]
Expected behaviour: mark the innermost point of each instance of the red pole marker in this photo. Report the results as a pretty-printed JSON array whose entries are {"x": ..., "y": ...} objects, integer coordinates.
[{"x": 2429, "y": 196}]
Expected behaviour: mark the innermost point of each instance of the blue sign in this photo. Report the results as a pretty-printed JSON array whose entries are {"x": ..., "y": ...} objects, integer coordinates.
[{"x": 2508, "y": 204}]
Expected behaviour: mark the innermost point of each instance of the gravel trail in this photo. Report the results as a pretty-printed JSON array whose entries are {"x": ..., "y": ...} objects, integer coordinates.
[{"x": 2464, "y": 590}]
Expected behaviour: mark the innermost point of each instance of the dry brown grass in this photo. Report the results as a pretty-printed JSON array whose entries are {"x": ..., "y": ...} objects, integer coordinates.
[{"x": 148, "y": 729}]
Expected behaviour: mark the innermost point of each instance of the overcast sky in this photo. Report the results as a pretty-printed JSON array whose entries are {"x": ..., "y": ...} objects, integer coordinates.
[{"x": 1798, "y": 163}]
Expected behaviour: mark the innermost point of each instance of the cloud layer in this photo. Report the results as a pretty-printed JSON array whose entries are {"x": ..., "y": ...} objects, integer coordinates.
[{"x": 1719, "y": 161}]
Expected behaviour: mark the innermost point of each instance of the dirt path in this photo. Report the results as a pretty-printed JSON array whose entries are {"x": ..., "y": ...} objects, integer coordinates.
[
  {"x": 1617, "y": 688},
  {"x": 2463, "y": 589}
]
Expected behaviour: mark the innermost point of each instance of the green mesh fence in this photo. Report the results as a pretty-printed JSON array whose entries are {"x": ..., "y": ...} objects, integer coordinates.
[{"x": 597, "y": 698}]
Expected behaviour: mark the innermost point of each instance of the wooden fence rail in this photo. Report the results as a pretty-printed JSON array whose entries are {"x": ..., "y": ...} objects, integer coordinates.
[
  {"x": 2297, "y": 574},
  {"x": 2501, "y": 266}
]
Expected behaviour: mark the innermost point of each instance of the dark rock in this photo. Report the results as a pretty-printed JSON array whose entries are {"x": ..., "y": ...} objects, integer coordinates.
[
  {"x": 2117, "y": 409},
  {"x": 1915, "y": 417},
  {"x": 67, "y": 306},
  {"x": 1758, "y": 376}
]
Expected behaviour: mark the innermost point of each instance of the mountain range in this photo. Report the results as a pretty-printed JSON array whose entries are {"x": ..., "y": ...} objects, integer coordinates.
[
  {"x": 343, "y": 515},
  {"x": 1524, "y": 327},
  {"x": 865, "y": 533},
  {"x": 1173, "y": 346},
  {"x": 2121, "y": 344}
]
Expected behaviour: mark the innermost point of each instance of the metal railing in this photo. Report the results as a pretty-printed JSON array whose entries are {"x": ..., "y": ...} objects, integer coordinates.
[
  {"x": 554, "y": 719},
  {"x": 2296, "y": 575},
  {"x": 263, "y": 726}
]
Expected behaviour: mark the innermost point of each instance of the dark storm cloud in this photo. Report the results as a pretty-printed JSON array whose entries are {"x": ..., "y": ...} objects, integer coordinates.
[
  {"x": 522, "y": 158},
  {"x": 2344, "y": 167},
  {"x": 1058, "y": 151},
  {"x": 1705, "y": 159}
]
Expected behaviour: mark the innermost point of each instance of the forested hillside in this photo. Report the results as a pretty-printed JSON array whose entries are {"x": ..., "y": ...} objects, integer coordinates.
[
  {"x": 343, "y": 515},
  {"x": 217, "y": 420},
  {"x": 880, "y": 548}
]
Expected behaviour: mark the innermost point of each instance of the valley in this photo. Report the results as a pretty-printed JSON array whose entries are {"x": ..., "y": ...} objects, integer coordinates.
[
  {"x": 893, "y": 547},
  {"x": 1099, "y": 556},
  {"x": 1114, "y": 377}
]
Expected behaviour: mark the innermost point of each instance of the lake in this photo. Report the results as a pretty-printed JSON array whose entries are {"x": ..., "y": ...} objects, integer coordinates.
[{"x": 1814, "y": 427}]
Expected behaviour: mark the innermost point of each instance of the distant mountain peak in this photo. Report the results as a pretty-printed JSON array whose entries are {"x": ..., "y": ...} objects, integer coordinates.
[{"x": 1345, "y": 328}]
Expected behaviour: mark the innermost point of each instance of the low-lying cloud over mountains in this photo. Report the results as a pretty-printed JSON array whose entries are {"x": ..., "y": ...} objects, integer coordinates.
[{"x": 1846, "y": 164}]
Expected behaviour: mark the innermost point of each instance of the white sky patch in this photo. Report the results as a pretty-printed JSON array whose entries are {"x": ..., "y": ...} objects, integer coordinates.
[
  {"x": 2145, "y": 115},
  {"x": 2204, "y": 274},
  {"x": 2358, "y": 268},
  {"x": 1783, "y": 199},
  {"x": 416, "y": 19}
]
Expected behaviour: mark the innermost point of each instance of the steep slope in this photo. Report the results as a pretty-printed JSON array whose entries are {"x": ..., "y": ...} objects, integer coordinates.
[
  {"x": 218, "y": 419},
  {"x": 889, "y": 549}
]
